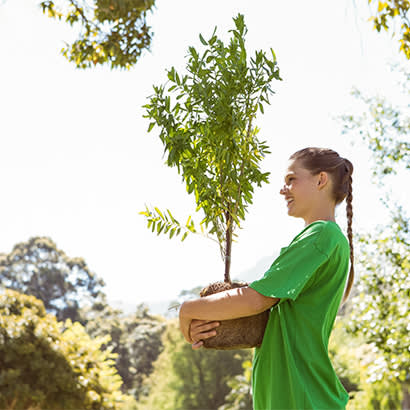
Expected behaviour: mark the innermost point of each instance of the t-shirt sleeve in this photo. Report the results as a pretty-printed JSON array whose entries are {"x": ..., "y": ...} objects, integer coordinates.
[{"x": 294, "y": 267}]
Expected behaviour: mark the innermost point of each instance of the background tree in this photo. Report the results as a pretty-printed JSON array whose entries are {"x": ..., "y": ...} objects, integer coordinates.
[
  {"x": 46, "y": 365},
  {"x": 186, "y": 379},
  {"x": 240, "y": 396},
  {"x": 135, "y": 338},
  {"x": 64, "y": 284},
  {"x": 384, "y": 128},
  {"x": 393, "y": 16},
  {"x": 380, "y": 311},
  {"x": 209, "y": 135},
  {"x": 113, "y": 32}
]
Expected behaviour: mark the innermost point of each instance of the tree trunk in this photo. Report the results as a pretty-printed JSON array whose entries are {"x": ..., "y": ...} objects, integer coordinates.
[
  {"x": 228, "y": 248},
  {"x": 405, "y": 404}
]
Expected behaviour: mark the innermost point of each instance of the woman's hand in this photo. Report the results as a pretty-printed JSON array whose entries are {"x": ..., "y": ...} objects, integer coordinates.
[{"x": 200, "y": 330}]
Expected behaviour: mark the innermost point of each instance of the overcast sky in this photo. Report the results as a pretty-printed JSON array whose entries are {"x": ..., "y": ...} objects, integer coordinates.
[{"x": 77, "y": 164}]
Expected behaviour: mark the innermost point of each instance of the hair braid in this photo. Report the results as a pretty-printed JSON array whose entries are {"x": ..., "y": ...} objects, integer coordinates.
[{"x": 349, "y": 214}]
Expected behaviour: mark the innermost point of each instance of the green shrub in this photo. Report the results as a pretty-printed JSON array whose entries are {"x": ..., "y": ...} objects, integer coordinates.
[{"x": 50, "y": 365}]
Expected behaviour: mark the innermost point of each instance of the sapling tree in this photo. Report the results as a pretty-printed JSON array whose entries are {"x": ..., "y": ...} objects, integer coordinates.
[{"x": 206, "y": 120}]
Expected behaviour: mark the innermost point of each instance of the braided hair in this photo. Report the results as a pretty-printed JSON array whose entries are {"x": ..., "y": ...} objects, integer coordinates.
[{"x": 340, "y": 170}]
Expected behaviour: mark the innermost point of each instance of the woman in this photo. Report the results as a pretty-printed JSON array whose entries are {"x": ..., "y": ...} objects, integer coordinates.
[{"x": 303, "y": 287}]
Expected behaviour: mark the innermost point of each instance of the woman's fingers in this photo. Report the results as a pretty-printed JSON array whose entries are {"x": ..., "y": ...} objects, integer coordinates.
[
  {"x": 202, "y": 329},
  {"x": 203, "y": 325},
  {"x": 196, "y": 337},
  {"x": 197, "y": 345}
]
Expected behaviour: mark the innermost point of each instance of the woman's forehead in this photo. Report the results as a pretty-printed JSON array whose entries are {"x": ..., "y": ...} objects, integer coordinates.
[{"x": 293, "y": 166}]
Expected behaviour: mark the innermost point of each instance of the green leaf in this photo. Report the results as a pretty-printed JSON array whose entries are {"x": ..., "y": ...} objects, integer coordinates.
[
  {"x": 159, "y": 212},
  {"x": 160, "y": 228},
  {"x": 202, "y": 40},
  {"x": 170, "y": 215}
]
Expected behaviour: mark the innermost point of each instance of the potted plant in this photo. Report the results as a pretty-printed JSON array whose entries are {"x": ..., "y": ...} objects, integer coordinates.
[{"x": 206, "y": 123}]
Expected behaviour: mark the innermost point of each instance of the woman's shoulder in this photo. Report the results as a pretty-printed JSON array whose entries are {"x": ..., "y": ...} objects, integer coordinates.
[
  {"x": 324, "y": 234},
  {"x": 322, "y": 226}
]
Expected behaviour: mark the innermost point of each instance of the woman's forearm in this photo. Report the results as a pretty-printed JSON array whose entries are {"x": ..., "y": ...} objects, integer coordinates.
[{"x": 226, "y": 305}]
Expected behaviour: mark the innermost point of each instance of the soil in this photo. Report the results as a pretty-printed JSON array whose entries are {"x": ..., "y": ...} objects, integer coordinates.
[{"x": 242, "y": 333}]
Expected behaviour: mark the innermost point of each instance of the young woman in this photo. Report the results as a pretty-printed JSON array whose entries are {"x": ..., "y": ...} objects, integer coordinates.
[{"x": 303, "y": 287}]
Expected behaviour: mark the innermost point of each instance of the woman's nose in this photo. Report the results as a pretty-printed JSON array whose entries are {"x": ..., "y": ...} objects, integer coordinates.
[{"x": 283, "y": 190}]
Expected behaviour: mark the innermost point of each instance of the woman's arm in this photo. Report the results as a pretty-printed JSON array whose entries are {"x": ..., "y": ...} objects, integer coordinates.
[{"x": 229, "y": 304}]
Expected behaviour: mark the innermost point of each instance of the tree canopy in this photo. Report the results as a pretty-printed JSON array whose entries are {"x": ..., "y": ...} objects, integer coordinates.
[
  {"x": 187, "y": 379},
  {"x": 113, "y": 32},
  {"x": 380, "y": 310},
  {"x": 64, "y": 284},
  {"x": 135, "y": 338},
  {"x": 46, "y": 364},
  {"x": 393, "y": 16}
]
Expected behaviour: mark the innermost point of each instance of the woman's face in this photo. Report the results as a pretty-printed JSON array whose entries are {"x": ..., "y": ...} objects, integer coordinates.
[{"x": 300, "y": 190}]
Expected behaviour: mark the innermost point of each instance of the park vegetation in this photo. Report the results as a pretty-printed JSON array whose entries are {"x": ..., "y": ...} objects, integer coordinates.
[{"x": 63, "y": 346}]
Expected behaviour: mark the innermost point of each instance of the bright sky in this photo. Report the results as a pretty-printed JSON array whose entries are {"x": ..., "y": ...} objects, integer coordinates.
[{"x": 77, "y": 164}]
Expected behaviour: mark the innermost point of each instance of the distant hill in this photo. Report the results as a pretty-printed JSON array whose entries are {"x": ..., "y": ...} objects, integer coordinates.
[
  {"x": 155, "y": 307},
  {"x": 257, "y": 270}
]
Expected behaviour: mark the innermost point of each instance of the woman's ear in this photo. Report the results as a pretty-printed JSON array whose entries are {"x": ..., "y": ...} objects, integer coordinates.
[{"x": 322, "y": 180}]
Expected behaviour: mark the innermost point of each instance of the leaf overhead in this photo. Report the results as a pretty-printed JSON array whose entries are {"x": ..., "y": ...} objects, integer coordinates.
[{"x": 113, "y": 32}]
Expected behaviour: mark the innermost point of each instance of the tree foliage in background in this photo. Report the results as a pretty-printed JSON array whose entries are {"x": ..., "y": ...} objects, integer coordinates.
[
  {"x": 64, "y": 284},
  {"x": 380, "y": 311},
  {"x": 113, "y": 32},
  {"x": 206, "y": 122},
  {"x": 393, "y": 16},
  {"x": 135, "y": 338},
  {"x": 384, "y": 128},
  {"x": 46, "y": 365},
  {"x": 240, "y": 396},
  {"x": 186, "y": 379},
  {"x": 350, "y": 357}
]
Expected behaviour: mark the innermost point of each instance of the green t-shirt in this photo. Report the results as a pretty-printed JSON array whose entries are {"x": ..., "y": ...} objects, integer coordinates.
[{"x": 292, "y": 369}]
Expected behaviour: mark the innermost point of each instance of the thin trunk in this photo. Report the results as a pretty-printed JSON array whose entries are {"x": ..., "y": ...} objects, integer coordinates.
[
  {"x": 405, "y": 404},
  {"x": 228, "y": 248}
]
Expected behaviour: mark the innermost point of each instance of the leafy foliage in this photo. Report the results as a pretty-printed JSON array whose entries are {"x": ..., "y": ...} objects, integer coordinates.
[
  {"x": 380, "y": 311},
  {"x": 112, "y": 31},
  {"x": 135, "y": 339},
  {"x": 343, "y": 348},
  {"x": 165, "y": 222},
  {"x": 209, "y": 135},
  {"x": 393, "y": 15},
  {"x": 46, "y": 365},
  {"x": 382, "y": 395},
  {"x": 64, "y": 284},
  {"x": 351, "y": 357},
  {"x": 187, "y": 379},
  {"x": 385, "y": 129},
  {"x": 240, "y": 397}
]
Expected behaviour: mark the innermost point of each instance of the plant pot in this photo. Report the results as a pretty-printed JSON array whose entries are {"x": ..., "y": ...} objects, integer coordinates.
[{"x": 241, "y": 333}]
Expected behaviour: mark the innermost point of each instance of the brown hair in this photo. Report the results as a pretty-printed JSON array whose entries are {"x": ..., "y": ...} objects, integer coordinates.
[{"x": 340, "y": 170}]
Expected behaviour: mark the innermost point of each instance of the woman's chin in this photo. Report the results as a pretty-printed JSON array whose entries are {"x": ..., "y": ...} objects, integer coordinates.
[{"x": 292, "y": 212}]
